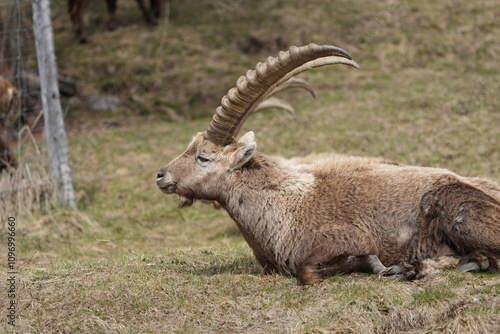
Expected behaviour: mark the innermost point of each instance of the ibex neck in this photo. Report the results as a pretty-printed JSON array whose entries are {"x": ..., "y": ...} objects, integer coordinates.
[{"x": 264, "y": 201}]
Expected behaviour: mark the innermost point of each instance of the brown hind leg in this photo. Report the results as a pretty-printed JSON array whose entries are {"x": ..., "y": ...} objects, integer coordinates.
[
  {"x": 463, "y": 216},
  {"x": 480, "y": 260},
  {"x": 344, "y": 251},
  {"x": 76, "y": 9},
  {"x": 315, "y": 268},
  {"x": 111, "y": 22}
]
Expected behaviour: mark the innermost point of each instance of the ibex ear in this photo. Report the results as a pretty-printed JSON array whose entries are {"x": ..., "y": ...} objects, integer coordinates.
[{"x": 245, "y": 150}]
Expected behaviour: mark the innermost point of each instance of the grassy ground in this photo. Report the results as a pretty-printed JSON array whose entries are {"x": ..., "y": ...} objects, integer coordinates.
[{"x": 128, "y": 261}]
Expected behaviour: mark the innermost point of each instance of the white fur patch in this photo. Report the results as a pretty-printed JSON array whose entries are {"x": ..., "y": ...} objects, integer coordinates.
[{"x": 434, "y": 266}]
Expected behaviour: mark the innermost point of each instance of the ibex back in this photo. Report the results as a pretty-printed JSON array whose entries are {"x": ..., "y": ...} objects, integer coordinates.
[{"x": 338, "y": 214}]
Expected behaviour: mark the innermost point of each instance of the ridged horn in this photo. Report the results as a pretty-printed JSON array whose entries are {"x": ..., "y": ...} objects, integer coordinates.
[
  {"x": 273, "y": 102},
  {"x": 257, "y": 84},
  {"x": 293, "y": 83}
]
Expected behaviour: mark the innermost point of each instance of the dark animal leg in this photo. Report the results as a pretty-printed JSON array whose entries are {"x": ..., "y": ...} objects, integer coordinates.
[
  {"x": 158, "y": 8},
  {"x": 350, "y": 250},
  {"x": 75, "y": 9},
  {"x": 111, "y": 23},
  {"x": 147, "y": 15}
]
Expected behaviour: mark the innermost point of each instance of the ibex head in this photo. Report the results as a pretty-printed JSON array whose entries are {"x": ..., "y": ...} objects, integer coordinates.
[{"x": 206, "y": 168}]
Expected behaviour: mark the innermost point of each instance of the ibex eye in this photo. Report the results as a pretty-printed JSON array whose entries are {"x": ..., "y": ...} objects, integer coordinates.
[{"x": 201, "y": 159}]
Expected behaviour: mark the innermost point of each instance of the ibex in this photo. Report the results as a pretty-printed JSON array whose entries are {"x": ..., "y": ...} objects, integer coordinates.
[{"x": 335, "y": 215}]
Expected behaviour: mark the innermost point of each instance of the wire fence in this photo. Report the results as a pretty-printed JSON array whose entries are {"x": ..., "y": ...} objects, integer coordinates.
[
  {"x": 25, "y": 183},
  {"x": 18, "y": 66},
  {"x": 27, "y": 179}
]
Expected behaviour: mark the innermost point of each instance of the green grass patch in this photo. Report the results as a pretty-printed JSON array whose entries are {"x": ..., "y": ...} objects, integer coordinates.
[{"x": 431, "y": 295}]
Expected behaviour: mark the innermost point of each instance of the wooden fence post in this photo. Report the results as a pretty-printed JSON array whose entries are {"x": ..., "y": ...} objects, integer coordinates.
[{"x": 55, "y": 134}]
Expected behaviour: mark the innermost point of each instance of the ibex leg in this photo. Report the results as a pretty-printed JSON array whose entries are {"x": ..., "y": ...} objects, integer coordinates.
[
  {"x": 344, "y": 255},
  {"x": 466, "y": 217}
]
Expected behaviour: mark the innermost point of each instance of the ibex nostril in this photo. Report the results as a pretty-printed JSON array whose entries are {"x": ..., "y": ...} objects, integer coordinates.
[{"x": 160, "y": 174}]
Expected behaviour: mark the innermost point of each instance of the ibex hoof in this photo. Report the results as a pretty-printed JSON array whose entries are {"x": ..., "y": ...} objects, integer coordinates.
[
  {"x": 478, "y": 261},
  {"x": 404, "y": 271},
  {"x": 393, "y": 271},
  {"x": 469, "y": 267},
  {"x": 474, "y": 266}
]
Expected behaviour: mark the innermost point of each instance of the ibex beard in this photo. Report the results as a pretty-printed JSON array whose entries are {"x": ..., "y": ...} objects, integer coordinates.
[{"x": 337, "y": 214}]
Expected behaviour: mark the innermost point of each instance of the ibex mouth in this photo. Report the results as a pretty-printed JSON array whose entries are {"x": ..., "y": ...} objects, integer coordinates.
[{"x": 169, "y": 188}]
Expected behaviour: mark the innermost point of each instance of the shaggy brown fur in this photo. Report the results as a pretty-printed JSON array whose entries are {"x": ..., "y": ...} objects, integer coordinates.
[{"x": 339, "y": 214}]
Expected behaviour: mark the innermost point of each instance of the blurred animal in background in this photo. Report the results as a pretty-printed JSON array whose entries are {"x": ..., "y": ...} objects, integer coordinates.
[
  {"x": 7, "y": 94},
  {"x": 76, "y": 8},
  {"x": 7, "y": 160}
]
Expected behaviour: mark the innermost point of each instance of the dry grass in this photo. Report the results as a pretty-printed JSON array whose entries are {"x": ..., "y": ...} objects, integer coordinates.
[
  {"x": 222, "y": 290},
  {"x": 129, "y": 261},
  {"x": 28, "y": 189}
]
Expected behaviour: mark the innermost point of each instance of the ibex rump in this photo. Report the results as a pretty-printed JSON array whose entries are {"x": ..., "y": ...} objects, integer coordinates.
[{"x": 336, "y": 215}]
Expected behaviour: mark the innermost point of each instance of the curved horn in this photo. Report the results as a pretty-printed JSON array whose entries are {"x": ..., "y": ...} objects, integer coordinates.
[
  {"x": 293, "y": 83},
  {"x": 273, "y": 102},
  {"x": 257, "y": 84}
]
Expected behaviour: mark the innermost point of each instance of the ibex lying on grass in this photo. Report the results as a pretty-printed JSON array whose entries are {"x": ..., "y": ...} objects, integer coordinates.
[{"x": 334, "y": 215}]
